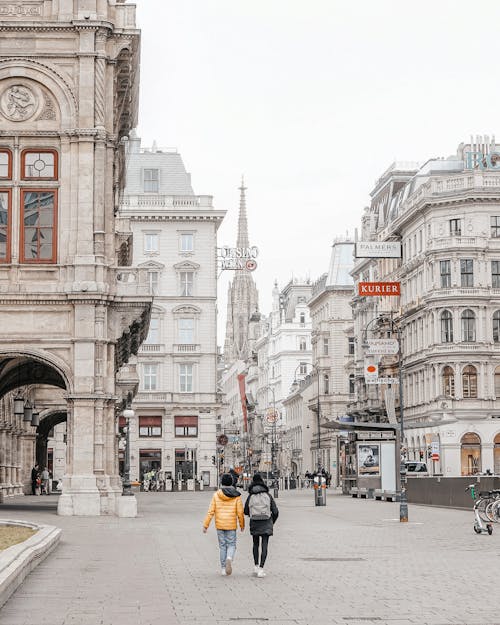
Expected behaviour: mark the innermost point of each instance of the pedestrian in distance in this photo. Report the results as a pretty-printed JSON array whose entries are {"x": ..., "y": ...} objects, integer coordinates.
[
  {"x": 34, "y": 478},
  {"x": 227, "y": 508},
  {"x": 45, "y": 490},
  {"x": 263, "y": 513},
  {"x": 235, "y": 477}
]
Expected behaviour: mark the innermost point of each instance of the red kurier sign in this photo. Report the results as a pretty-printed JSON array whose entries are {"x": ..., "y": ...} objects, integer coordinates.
[{"x": 379, "y": 288}]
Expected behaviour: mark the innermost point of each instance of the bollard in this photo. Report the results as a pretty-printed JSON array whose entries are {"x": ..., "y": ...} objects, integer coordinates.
[{"x": 319, "y": 491}]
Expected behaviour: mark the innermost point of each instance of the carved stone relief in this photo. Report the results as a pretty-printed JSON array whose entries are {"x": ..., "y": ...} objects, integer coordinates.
[
  {"x": 49, "y": 109},
  {"x": 18, "y": 103}
]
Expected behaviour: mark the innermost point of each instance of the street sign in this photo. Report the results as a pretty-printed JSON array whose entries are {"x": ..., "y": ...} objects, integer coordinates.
[
  {"x": 374, "y": 289},
  {"x": 382, "y": 381},
  {"x": 222, "y": 439},
  {"x": 378, "y": 249},
  {"x": 382, "y": 347},
  {"x": 272, "y": 415}
]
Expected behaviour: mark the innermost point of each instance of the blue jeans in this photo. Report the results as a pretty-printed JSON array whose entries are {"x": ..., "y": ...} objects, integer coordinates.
[{"x": 227, "y": 545}]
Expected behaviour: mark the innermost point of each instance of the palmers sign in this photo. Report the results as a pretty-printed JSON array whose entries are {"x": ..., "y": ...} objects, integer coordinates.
[
  {"x": 378, "y": 249},
  {"x": 367, "y": 289},
  {"x": 238, "y": 258}
]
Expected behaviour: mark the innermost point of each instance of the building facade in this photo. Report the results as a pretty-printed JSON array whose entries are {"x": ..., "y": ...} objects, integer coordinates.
[
  {"x": 446, "y": 214},
  {"x": 333, "y": 349},
  {"x": 68, "y": 98},
  {"x": 175, "y": 241}
]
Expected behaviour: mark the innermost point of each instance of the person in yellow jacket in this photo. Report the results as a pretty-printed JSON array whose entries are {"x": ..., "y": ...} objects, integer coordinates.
[{"x": 228, "y": 510}]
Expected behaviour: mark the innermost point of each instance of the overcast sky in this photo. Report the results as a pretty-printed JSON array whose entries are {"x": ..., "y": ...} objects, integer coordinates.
[{"x": 312, "y": 101}]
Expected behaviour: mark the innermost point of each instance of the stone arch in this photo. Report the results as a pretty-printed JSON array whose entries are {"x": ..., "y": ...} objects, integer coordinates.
[
  {"x": 47, "y": 76},
  {"x": 49, "y": 420},
  {"x": 32, "y": 367}
]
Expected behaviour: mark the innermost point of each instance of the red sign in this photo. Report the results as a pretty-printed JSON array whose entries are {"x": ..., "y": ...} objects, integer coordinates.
[
  {"x": 366, "y": 289},
  {"x": 243, "y": 397}
]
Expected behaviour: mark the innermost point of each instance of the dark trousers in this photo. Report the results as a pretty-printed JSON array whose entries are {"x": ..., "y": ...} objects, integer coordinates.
[
  {"x": 33, "y": 488},
  {"x": 263, "y": 551}
]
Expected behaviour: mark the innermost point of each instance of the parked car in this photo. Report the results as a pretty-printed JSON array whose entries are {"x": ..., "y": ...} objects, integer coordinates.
[{"x": 416, "y": 468}]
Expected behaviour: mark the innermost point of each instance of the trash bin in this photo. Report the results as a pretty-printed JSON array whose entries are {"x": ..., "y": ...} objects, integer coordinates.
[{"x": 319, "y": 491}]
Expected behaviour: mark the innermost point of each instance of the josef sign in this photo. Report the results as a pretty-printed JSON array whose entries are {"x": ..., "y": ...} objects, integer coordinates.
[
  {"x": 371, "y": 373},
  {"x": 238, "y": 258},
  {"x": 373, "y": 289},
  {"x": 378, "y": 249},
  {"x": 382, "y": 347}
]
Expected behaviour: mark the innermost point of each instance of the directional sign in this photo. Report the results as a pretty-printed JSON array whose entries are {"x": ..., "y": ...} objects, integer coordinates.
[
  {"x": 382, "y": 380},
  {"x": 382, "y": 347}
]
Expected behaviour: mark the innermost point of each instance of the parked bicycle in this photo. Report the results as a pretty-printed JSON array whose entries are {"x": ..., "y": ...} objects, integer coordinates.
[{"x": 482, "y": 520}]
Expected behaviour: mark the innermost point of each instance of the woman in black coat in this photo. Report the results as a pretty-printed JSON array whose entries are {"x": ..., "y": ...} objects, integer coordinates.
[{"x": 260, "y": 528}]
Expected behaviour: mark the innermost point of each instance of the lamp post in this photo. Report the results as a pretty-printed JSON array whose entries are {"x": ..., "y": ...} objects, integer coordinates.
[
  {"x": 128, "y": 414},
  {"x": 318, "y": 414},
  {"x": 273, "y": 420},
  {"x": 395, "y": 329}
]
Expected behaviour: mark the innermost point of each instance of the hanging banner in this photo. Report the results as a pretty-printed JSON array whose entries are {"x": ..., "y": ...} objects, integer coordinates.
[
  {"x": 373, "y": 289},
  {"x": 243, "y": 397},
  {"x": 371, "y": 373}
]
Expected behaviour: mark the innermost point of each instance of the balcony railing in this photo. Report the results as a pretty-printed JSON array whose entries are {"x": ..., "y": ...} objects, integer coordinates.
[
  {"x": 152, "y": 201},
  {"x": 150, "y": 347},
  {"x": 186, "y": 348}
]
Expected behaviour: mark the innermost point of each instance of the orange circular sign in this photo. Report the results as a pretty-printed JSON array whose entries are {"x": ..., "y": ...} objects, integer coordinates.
[{"x": 371, "y": 368}]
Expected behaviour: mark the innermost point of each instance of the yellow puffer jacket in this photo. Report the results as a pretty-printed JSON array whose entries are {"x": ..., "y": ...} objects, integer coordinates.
[{"x": 228, "y": 511}]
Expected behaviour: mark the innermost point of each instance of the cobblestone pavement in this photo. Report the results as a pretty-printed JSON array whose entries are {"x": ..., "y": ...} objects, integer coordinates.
[{"x": 349, "y": 563}]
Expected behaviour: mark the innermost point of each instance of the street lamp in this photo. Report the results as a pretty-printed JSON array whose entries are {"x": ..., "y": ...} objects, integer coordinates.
[
  {"x": 318, "y": 414},
  {"x": 395, "y": 329},
  {"x": 273, "y": 420},
  {"x": 128, "y": 414}
]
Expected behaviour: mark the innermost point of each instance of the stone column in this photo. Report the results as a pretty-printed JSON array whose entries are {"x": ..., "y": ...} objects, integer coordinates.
[{"x": 81, "y": 495}]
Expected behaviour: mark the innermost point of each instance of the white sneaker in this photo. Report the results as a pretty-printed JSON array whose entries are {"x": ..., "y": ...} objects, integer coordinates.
[
  {"x": 260, "y": 573},
  {"x": 223, "y": 572},
  {"x": 256, "y": 569},
  {"x": 229, "y": 566}
]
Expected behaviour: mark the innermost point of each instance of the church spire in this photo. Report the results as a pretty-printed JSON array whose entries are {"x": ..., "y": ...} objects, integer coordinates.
[{"x": 242, "y": 219}]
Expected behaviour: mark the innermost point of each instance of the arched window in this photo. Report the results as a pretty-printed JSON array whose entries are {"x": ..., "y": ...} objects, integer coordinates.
[
  {"x": 497, "y": 382},
  {"x": 496, "y": 326},
  {"x": 448, "y": 381},
  {"x": 470, "y": 454},
  {"x": 351, "y": 384},
  {"x": 468, "y": 326},
  {"x": 469, "y": 382},
  {"x": 446, "y": 327},
  {"x": 326, "y": 384},
  {"x": 302, "y": 344},
  {"x": 496, "y": 455}
]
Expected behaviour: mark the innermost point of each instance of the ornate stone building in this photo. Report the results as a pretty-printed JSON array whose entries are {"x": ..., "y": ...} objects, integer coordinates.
[
  {"x": 446, "y": 214},
  {"x": 175, "y": 241},
  {"x": 72, "y": 316}
]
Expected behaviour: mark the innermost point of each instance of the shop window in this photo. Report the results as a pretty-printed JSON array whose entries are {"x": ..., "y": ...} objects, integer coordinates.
[
  {"x": 186, "y": 427},
  {"x": 470, "y": 453},
  {"x": 149, "y": 460},
  {"x": 149, "y": 426}
]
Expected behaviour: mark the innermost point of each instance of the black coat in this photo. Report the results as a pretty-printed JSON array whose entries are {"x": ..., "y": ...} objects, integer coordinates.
[{"x": 261, "y": 527}]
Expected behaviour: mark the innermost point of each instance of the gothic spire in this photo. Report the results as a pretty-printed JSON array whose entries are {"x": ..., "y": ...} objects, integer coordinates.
[{"x": 242, "y": 219}]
